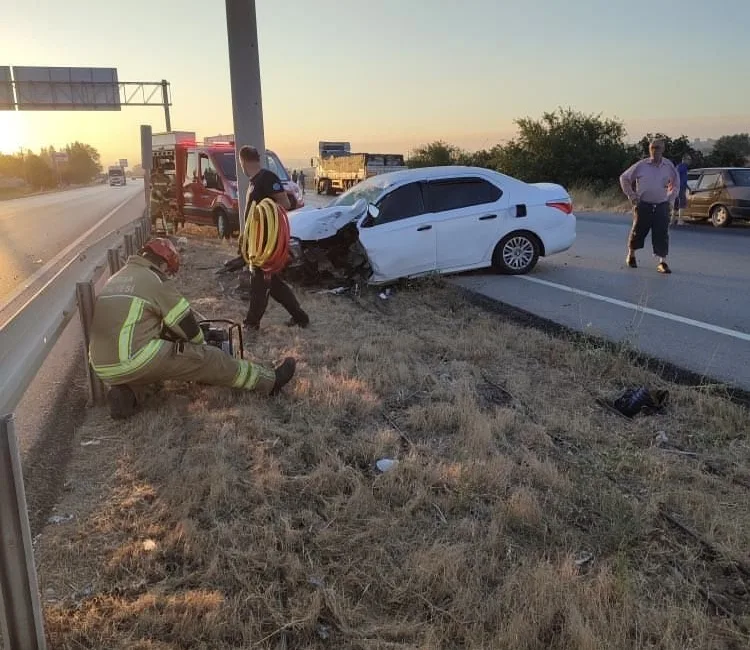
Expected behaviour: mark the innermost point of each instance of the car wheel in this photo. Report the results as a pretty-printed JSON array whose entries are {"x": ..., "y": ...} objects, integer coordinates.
[
  {"x": 222, "y": 225},
  {"x": 720, "y": 217},
  {"x": 516, "y": 253}
]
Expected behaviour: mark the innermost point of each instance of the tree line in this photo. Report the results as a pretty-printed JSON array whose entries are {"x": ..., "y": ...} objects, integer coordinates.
[
  {"x": 576, "y": 149},
  {"x": 40, "y": 171}
]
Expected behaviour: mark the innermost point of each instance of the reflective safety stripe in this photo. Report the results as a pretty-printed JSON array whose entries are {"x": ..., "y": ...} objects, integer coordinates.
[
  {"x": 118, "y": 370},
  {"x": 126, "y": 333},
  {"x": 241, "y": 377},
  {"x": 177, "y": 312}
]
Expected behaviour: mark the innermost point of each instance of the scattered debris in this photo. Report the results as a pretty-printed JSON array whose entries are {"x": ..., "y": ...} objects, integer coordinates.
[
  {"x": 49, "y": 595},
  {"x": 323, "y": 631},
  {"x": 335, "y": 292},
  {"x": 640, "y": 400},
  {"x": 661, "y": 439},
  {"x": 89, "y": 443},
  {"x": 584, "y": 557},
  {"x": 384, "y": 295},
  {"x": 86, "y": 592},
  {"x": 60, "y": 519},
  {"x": 386, "y": 464},
  {"x": 149, "y": 545},
  {"x": 38, "y": 261},
  {"x": 316, "y": 582},
  {"x": 182, "y": 242}
]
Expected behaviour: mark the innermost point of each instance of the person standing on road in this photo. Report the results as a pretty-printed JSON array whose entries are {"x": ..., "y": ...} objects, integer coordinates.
[
  {"x": 264, "y": 184},
  {"x": 159, "y": 196},
  {"x": 301, "y": 181},
  {"x": 651, "y": 185},
  {"x": 681, "y": 202},
  {"x": 294, "y": 175}
]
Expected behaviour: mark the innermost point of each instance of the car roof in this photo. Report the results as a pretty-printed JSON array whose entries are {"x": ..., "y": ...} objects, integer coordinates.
[
  {"x": 439, "y": 173},
  {"x": 718, "y": 169}
]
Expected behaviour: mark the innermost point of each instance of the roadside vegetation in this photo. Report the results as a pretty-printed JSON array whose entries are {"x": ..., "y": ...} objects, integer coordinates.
[
  {"x": 585, "y": 153},
  {"x": 522, "y": 513},
  {"x": 27, "y": 172}
]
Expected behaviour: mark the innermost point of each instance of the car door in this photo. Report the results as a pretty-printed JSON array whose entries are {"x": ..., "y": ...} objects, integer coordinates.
[
  {"x": 400, "y": 242},
  {"x": 208, "y": 188},
  {"x": 701, "y": 198},
  {"x": 466, "y": 213},
  {"x": 190, "y": 185}
]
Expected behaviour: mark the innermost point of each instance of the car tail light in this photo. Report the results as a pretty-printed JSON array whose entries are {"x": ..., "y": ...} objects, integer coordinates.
[{"x": 565, "y": 205}]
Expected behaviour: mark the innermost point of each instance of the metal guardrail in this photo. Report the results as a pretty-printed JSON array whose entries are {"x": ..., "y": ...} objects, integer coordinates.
[{"x": 26, "y": 340}]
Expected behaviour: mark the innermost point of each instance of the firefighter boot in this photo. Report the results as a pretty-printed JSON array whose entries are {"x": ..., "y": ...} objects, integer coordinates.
[
  {"x": 284, "y": 374},
  {"x": 122, "y": 402}
]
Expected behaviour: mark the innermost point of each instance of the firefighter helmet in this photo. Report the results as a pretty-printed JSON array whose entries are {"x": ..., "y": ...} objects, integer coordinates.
[{"x": 166, "y": 250}]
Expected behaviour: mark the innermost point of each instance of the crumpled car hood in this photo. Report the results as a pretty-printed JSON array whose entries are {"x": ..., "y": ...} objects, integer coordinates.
[{"x": 314, "y": 225}]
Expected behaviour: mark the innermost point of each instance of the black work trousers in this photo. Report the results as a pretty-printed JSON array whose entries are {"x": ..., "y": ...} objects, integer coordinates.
[
  {"x": 261, "y": 288},
  {"x": 653, "y": 217}
]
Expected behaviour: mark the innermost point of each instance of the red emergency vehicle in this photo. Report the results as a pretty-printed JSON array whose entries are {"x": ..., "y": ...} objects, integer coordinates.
[{"x": 204, "y": 179}]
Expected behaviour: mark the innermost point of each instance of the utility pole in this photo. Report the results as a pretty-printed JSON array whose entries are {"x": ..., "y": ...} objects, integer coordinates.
[
  {"x": 165, "y": 99},
  {"x": 244, "y": 74}
]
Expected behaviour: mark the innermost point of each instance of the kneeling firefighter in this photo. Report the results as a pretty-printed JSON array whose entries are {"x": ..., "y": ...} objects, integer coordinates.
[{"x": 144, "y": 332}]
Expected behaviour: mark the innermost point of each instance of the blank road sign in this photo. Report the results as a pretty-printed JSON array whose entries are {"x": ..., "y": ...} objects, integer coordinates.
[
  {"x": 123, "y": 162},
  {"x": 67, "y": 89},
  {"x": 6, "y": 90}
]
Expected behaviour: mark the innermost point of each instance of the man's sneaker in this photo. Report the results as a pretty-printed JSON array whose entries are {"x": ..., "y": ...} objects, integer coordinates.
[
  {"x": 284, "y": 373},
  {"x": 249, "y": 334},
  {"x": 122, "y": 402},
  {"x": 302, "y": 322},
  {"x": 663, "y": 268},
  {"x": 630, "y": 261}
]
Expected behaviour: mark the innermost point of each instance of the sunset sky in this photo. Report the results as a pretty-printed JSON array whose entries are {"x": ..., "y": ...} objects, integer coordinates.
[{"x": 392, "y": 74}]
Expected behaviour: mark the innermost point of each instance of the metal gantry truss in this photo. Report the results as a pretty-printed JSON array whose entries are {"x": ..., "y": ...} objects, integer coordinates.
[{"x": 130, "y": 93}]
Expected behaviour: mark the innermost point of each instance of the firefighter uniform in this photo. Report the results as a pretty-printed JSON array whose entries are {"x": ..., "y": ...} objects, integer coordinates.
[
  {"x": 159, "y": 199},
  {"x": 144, "y": 332}
]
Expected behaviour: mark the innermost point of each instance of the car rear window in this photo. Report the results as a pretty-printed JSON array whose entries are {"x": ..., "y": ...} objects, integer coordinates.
[{"x": 460, "y": 193}]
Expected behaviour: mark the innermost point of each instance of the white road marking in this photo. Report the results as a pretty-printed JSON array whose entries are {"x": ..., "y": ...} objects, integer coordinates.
[{"x": 716, "y": 329}]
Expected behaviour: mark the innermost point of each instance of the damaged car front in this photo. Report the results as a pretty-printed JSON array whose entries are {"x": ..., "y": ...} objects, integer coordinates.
[{"x": 325, "y": 245}]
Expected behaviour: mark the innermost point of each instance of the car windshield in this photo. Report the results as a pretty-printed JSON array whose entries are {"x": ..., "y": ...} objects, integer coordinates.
[
  {"x": 741, "y": 177},
  {"x": 227, "y": 164},
  {"x": 369, "y": 190}
]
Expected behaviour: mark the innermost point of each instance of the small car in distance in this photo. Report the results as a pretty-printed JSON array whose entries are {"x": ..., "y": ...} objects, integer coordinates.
[{"x": 720, "y": 194}]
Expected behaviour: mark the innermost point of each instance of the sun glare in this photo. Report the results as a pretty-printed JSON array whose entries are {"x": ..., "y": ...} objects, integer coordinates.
[{"x": 12, "y": 131}]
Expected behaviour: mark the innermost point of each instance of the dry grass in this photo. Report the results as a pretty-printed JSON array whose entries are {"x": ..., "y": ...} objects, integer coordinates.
[
  {"x": 588, "y": 199},
  {"x": 215, "y": 520}
]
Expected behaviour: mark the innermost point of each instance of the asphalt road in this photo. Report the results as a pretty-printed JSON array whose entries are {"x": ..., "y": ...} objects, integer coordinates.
[
  {"x": 35, "y": 229},
  {"x": 697, "y": 318}
]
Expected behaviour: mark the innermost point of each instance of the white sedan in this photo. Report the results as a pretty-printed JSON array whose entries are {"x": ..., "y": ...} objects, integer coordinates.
[{"x": 435, "y": 220}]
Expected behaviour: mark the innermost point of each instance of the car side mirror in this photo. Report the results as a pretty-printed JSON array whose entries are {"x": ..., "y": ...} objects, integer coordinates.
[{"x": 373, "y": 211}]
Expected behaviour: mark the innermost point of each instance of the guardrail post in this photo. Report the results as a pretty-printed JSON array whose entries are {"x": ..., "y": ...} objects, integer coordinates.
[
  {"x": 147, "y": 226},
  {"x": 85, "y": 294},
  {"x": 20, "y": 606},
  {"x": 129, "y": 246},
  {"x": 114, "y": 261},
  {"x": 139, "y": 237}
]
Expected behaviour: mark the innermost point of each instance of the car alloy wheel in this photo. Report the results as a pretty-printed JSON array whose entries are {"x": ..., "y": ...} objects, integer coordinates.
[
  {"x": 518, "y": 254},
  {"x": 720, "y": 217}
]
